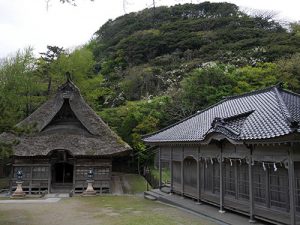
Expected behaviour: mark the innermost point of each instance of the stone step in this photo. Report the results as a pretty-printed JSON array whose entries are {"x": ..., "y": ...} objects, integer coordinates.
[{"x": 150, "y": 197}]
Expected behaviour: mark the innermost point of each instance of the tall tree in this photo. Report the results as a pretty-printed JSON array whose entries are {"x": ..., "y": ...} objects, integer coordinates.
[{"x": 46, "y": 62}]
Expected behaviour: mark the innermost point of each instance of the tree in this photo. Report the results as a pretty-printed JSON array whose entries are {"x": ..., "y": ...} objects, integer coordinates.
[
  {"x": 289, "y": 70},
  {"x": 47, "y": 61},
  {"x": 20, "y": 84}
]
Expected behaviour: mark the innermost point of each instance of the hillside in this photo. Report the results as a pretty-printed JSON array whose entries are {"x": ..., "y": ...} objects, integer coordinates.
[{"x": 150, "y": 50}]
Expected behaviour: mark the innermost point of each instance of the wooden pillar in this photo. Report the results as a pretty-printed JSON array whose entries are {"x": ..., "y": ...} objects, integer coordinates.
[
  {"x": 291, "y": 171},
  {"x": 11, "y": 176},
  {"x": 171, "y": 169},
  {"x": 221, "y": 181},
  {"x": 74, "y": 175},
  {"x": 267, "y": 175},
  {"x": 198, "y": 175},
  {"x": 159, "y": 167},
  {"x": 251, "y": 195},
  {"x": 182, "y": 172},
  {"x": 49, "y": 178},
  {"x": 30, "y": 181}
]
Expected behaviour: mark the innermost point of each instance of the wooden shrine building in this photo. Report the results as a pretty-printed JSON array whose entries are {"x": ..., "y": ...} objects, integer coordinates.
[
  {"x": 69, "y": 138},
  {"x": 241, "y": 154}
]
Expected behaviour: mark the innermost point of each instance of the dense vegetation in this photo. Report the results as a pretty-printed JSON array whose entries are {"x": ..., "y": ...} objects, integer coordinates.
[{"x": 146, "y": 70}]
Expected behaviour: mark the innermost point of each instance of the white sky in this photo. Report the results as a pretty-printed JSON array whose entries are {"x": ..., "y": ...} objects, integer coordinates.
[{"x": 27, "y": 22}]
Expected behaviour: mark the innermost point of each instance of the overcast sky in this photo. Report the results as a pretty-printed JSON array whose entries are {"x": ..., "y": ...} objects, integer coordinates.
[{"x": 28, "y": 23}]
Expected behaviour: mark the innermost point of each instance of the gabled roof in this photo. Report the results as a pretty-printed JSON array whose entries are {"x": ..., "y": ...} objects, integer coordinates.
[
  {"x": 90, "y": 136},
  {"x": 257, "y": 115}
]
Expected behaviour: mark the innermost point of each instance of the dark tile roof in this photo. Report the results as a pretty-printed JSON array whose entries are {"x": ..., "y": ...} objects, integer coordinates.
[{"x": 262, "y": 114}]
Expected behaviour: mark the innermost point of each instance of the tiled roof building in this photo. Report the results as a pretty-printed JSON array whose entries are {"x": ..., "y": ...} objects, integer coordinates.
[{"x": 242, "y": 153}]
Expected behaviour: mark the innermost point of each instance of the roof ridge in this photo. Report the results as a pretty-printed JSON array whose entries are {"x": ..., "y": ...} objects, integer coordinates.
[
  {"x": 251, "y": 93},
  {"x": 290, "y": 92},
  {"x": 282, "y": 106}
]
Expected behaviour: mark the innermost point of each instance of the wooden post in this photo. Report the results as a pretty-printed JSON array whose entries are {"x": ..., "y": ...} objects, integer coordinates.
[
  {"x": 221, "y": 182},
  {"x": 30, "y": 181},
  {"x": 49, "y": 178},
  {"x": 198, "y": 175},
  {"x": 159, "y": 167},
  {"x": 64, "y": 170},
  {"x": 267, "y": 174},
  {"x": 11, "y": 176},
  {"x": 251, "y": 196},
  {"x": 171, "y": 169},
  {"x": 182, "y": 172},
  {"x": 74, "y": 176},
  {"x": 291, "y": 171}
]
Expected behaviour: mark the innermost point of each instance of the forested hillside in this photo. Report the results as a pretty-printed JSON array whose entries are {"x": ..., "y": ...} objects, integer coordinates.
[{"x": 146, "y": 70}]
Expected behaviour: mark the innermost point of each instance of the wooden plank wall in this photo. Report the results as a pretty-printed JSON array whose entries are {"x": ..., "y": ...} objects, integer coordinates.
[{"x": 269, "y": 179}]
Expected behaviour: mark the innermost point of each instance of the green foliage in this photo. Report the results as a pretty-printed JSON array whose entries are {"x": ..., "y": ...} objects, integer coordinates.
[
  {"x": 20, "y": 92},
  {"x": 135, "y": 119},
  {"x": 144, "y": 54},
  {"x": 289, "y": 70},
  {"x": 5, "y": 150},
  {"x": 208, "y": 85}
]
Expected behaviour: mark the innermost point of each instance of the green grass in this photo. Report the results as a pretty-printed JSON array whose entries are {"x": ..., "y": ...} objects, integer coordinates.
[
  {"x": 136, "y": 184},
  {"x": 134, "y": 210},
  {"x": 107, "y": 209}
]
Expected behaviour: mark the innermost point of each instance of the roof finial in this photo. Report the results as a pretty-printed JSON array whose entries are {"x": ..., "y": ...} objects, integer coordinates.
[{"x": 68, "y": 76}]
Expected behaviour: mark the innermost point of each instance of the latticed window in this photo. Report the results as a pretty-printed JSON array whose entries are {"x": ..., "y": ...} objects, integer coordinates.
[
  {"x": 279, "y": 187},
  {"x": 81, "y": 173},
  {"x": 212, "y": 176},
  {"x": 216, "y": 177},
  {"x": 208, "y": 177},
  {"x": 229, "y": 177},
  {"x": 190, "y": 172},
  {"x": 259, "y": 183},
  {"x": 297, "y": 184},
  {"x": 177, "y": 172},
  {"x": 243, "y": 180},
  {"x": 100, "y": 171},
  {"x": 40, "y": 172}
]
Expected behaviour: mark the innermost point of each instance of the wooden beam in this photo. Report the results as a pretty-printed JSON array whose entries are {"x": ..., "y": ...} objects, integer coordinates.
[
  {"x": 221, "y": 182},
  {"x": 251, "y": 196},
  {"x": 291, "y": 171}
]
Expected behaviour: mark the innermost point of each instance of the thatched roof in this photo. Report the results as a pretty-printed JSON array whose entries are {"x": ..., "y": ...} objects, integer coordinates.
[{"x": 86, "y": 134}]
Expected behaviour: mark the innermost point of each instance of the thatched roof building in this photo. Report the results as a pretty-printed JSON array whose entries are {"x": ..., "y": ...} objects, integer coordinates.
[{"x": 65, "y": 130}]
